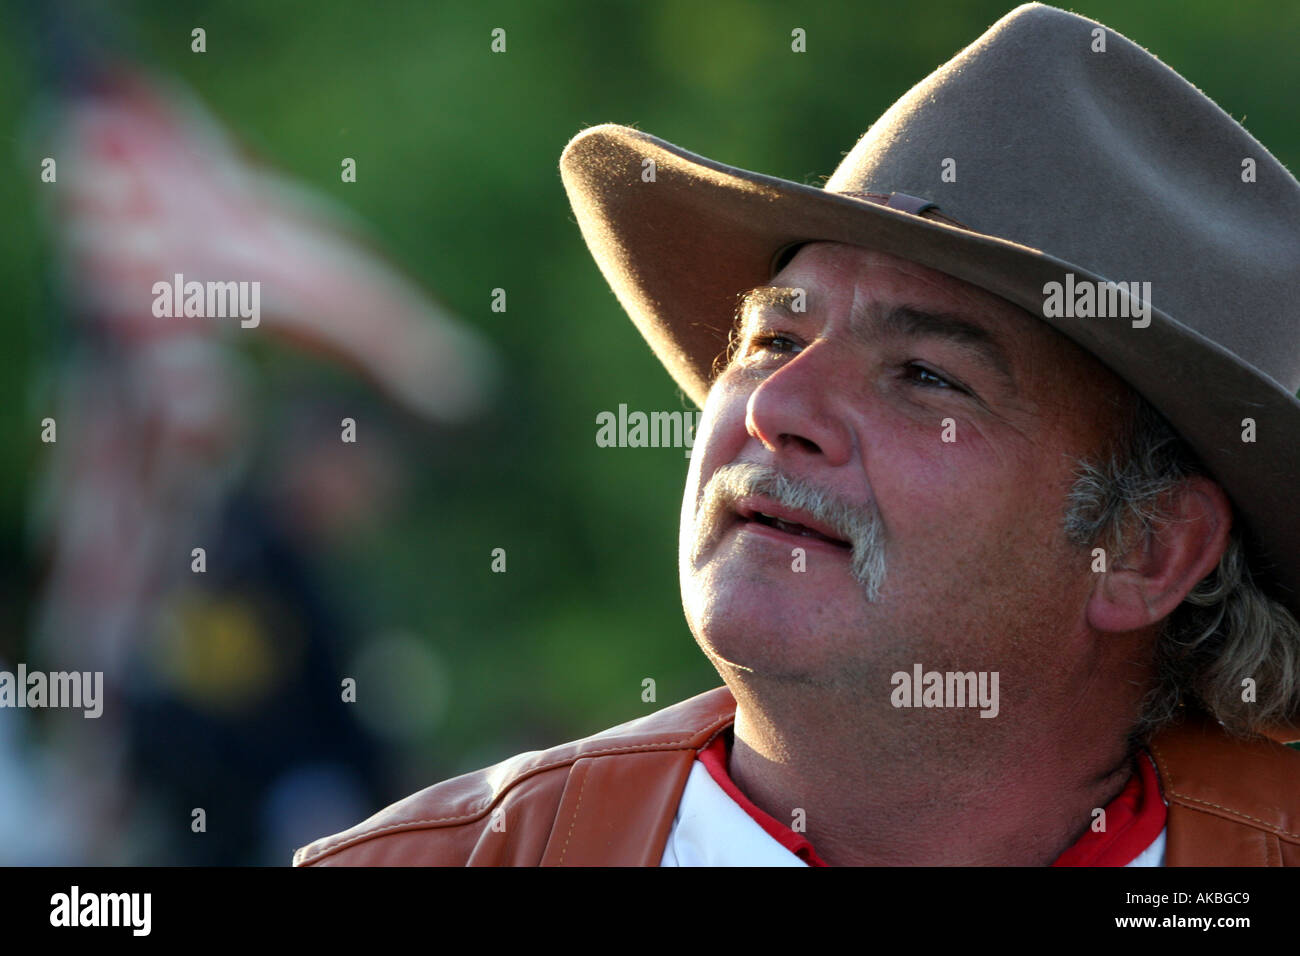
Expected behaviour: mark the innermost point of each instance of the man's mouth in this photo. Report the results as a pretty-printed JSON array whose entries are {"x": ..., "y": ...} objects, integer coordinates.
[{"x": 787, "y": 521}]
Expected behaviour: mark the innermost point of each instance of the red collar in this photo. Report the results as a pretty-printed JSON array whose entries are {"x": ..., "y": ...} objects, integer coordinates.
[
  {"x": 1133, "y": 819},
  {"x": 715, "y": 757}
]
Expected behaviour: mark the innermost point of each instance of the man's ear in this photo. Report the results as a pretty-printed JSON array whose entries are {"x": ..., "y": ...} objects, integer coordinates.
[{"x": 1147, "y": 584}]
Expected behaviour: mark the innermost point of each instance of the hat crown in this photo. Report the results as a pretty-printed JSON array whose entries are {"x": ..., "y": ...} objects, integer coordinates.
[{"x": 1055, "y": 132}]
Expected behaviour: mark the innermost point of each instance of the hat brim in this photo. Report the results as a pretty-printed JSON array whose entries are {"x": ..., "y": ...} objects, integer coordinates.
[{"x": 678, "y": 249}]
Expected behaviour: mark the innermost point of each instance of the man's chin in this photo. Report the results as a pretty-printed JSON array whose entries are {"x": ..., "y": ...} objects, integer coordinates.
[
  {"x": 768, "y": 667},
  {"x": 751, "y": 584},
  {"x": 754, "y": 619}
]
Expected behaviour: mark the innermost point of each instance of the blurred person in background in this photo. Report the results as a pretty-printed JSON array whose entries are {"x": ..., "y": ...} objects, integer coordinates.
[{"x": 181, "y": 544}]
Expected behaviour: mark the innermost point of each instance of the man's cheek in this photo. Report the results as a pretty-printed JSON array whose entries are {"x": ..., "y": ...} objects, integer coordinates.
[
  {"x": 958, "y": 530},
  {"x": 720, "y": 435}
]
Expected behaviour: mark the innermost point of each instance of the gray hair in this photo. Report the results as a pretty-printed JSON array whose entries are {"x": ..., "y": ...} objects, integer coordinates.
[{"x": 1228, "y": 628}]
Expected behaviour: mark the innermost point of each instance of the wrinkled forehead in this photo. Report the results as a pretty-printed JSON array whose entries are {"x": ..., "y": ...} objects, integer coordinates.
[{"x": 822, "y": 275}]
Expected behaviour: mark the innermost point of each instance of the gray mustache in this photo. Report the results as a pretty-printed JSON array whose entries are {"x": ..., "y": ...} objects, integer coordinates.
[{"x": 856, "y": 523}]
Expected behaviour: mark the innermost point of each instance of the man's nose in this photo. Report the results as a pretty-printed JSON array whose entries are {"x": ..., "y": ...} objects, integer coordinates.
[{"x": 793, "y": 412}]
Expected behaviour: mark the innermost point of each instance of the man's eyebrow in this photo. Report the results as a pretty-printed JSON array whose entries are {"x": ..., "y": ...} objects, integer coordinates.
[
  {"x": 765, "y": 298},
  {"x": 919, "y": 323}
]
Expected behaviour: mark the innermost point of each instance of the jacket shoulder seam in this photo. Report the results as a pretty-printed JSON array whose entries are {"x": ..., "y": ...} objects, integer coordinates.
[
  {"x": 1207, "y": 806},
  {"x": 1255, "y": 822},
  {"x": 328, "y": 848},
  {"x": 574, "y": 820}
]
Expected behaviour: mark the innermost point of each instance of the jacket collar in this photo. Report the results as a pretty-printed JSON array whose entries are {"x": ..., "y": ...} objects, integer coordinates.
[{"x": 1232, "y": 801}]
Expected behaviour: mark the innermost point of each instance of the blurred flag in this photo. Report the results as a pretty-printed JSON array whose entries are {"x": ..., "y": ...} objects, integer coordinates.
[
  {"x": 151, "y": 187},
  {"x": 150, "y": 410}
]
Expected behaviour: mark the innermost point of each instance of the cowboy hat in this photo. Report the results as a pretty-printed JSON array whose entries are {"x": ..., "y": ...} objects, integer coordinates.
[{"x": 1055, "y": 151}]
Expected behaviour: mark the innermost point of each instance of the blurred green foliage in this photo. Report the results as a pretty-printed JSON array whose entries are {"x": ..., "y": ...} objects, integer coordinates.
[{"x": 457, "y": 153}]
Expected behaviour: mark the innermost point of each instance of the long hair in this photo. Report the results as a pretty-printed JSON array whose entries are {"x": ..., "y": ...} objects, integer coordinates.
[{"x": 1227, "y": 631}]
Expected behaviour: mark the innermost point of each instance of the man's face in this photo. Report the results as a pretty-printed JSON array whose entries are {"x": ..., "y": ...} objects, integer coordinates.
[{"x": 932, "y": 414}]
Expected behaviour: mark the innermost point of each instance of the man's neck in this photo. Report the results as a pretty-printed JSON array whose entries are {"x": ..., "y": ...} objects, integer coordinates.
[{"x": 936, "y": 791}]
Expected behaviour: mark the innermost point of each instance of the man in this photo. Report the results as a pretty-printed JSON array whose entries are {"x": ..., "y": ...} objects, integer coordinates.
[{"x": 987, "y": 527}]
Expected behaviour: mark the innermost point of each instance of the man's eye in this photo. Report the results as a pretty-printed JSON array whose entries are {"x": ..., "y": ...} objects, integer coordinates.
[
  {"x": 774, "y": 342},
  {"x": 928, "y": 379}
]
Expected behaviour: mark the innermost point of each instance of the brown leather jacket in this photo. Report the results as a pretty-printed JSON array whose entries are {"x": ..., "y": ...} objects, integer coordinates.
[{"x": 610, "y": 799}]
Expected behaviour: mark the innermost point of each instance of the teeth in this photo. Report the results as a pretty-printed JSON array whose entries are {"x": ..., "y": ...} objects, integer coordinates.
[
  {"x": 792, "y": 527},
  {"x": 789, "y": 527}
]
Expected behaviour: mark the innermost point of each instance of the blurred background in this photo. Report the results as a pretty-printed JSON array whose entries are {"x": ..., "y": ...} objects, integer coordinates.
[{"x": 326, "y": 559}]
